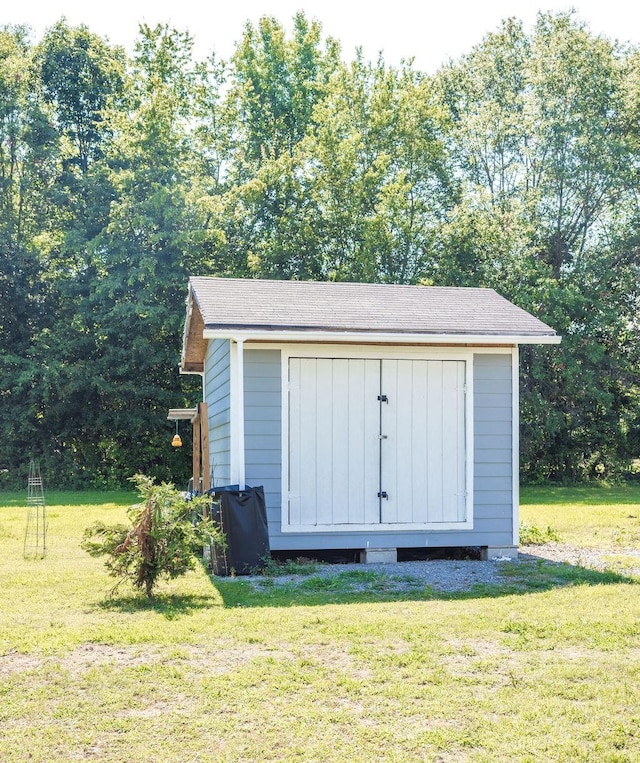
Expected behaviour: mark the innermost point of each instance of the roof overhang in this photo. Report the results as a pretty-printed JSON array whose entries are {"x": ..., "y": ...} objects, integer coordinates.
[
  {"x": 197, "y": 334},
  {"x": 360, "y": 337}
]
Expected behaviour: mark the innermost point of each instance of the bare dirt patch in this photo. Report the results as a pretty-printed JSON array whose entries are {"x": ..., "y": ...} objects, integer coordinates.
[{"x": 88, "y": 656}]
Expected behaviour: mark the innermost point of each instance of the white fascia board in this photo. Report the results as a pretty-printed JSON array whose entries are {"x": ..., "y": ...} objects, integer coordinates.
[{"x": 355, "y": 337}]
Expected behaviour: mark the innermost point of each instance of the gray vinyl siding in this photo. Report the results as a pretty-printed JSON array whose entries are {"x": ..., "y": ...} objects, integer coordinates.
[
  {"x": 493, "y": 443},
  {"x": 217, "y": 394},
  {"x": 493, "y": 497},
  {"x": 262, "y": 426}
]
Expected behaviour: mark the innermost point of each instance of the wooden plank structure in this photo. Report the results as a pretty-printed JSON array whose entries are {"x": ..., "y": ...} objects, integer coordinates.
[{"x": 199, "y": 418}]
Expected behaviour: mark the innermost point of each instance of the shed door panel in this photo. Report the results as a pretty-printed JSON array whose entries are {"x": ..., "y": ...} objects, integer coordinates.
[
  {"x": 333, "y": 441},
  {"x": 423, "y": 441},
  {"x": 347, "y": 447}
]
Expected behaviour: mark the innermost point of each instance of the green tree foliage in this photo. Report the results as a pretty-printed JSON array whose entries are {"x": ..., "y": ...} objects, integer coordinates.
[
  {"x": 130, "y": 315},
  {"x": 164, "y": 539},
  {"x": 256, "y": 219},
  {"x": 375, "y": 170},
  {"x": 27, "y": 231},
  {"x": 543, "y": 140},
  {"x": 276, "y": 84},
  {"x": 336, "y": 171},
  {"x": 515, "y": 167},
  {"x": 80, "y": 75}
]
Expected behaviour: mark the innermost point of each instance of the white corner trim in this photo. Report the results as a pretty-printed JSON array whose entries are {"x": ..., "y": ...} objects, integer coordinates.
[
  {"x": 515, "y": 443},
  {"x": 237, "y": 467}
]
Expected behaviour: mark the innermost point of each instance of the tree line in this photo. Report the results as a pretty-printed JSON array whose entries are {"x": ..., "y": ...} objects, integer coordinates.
[{"x": 514, "y": 167}]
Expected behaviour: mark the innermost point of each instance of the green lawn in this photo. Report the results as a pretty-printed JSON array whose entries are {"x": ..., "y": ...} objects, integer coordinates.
[
  {"x": 590, "y": 517},
  {"x": 544, "y": 668}
]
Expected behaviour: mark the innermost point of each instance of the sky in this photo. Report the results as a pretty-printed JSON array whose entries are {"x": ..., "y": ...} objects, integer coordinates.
[{"x": 430, "y": 32}]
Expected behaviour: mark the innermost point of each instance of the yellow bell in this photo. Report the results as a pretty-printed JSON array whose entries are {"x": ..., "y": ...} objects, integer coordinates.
[{"x": 177, "y": 441}]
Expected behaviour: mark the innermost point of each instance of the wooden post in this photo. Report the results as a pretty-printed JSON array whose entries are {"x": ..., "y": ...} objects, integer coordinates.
[
  {"x": 196, "y": 453},
  {"x": 203, "y": 415}
]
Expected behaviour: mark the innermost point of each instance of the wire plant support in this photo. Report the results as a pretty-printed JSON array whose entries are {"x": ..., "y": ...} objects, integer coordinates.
[{"x": 35, "y": 537}]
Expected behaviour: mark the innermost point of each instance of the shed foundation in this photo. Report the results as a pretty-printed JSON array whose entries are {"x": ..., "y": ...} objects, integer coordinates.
[
  {"x": 379, "y": 556},
  {"x": 491, "y": 553}
]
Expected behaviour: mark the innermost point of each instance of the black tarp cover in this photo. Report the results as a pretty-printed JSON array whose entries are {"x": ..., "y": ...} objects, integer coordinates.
[{"x": 242, "y": 517}]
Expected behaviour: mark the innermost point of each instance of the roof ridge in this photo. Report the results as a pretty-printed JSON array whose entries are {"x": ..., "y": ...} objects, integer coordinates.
[{"x": 372, "y": 284}]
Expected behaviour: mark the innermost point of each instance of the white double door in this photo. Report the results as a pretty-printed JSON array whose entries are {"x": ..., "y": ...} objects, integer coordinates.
[{"x": 376, "y": 442}]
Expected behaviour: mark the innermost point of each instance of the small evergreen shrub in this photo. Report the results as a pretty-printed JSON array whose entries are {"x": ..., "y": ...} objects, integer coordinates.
[{"x": 165, "y": 537}]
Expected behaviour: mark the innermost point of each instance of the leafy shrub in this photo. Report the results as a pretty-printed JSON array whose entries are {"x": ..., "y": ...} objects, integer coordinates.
[
  {"x": 275, "y": 568},
  {"x": 164, "y": 539},
  {"x": 530, "y": 535}
]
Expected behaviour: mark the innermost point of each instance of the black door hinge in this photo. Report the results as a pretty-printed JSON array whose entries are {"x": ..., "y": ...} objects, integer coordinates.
[
  {"x": 383, "y": 398},
  {"x": 383, "y": 494}
]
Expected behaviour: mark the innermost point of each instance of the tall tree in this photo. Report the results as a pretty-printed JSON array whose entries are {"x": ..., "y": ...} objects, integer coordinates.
[
  {"x": 544, "y": 143},
  {"x": 334, "y": 170},
  {"x": 111, "y": 375},
  {"x": 136, "y": 305},
  {"x": 275, "y": 82},
  {"x": 376, "y": 171},
  {"x": 80, "y": 74},
  {"x": 28, "y": 166}
]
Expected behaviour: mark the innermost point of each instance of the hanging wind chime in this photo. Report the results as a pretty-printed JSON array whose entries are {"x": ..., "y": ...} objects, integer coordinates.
[{"x": 177, "y": 440}]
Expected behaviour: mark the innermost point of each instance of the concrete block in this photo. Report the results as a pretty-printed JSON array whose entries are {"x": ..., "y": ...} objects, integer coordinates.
[
  {"x": 379, "y": 556},
  {"x": 496, "y": 553}
]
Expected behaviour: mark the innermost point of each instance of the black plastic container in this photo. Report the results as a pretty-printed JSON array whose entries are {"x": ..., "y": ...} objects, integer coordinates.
[{"x": 242, "y": 517}]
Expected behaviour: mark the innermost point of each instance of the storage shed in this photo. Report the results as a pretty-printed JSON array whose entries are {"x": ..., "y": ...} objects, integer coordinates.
[{"x": 376, "y": 417}]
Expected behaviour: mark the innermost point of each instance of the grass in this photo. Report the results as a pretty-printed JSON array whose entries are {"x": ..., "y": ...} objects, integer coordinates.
[
  {"x": 587, "y": 517},
  {"x": 545, "y": 666}
]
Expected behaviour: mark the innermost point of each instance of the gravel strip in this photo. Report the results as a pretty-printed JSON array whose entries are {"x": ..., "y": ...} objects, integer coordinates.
[
  {"x": 452, "y": 575},
  {"x": 439, "y": 574}
]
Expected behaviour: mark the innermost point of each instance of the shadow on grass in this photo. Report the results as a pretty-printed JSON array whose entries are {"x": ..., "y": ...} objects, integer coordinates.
[
  {"x": 327, "y": 586},
  {"x": 12, "y": 498},
  {"x": 170, "y": 606},
  {"x": 584, "y": 495}
]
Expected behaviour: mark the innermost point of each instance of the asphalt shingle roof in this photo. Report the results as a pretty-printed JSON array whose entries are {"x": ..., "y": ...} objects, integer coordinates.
[{"x": 245, "y": 304}]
